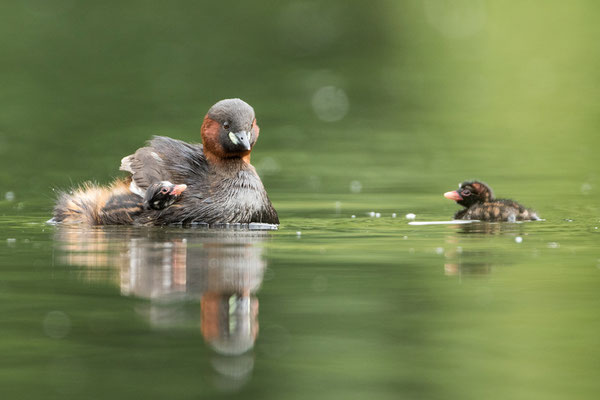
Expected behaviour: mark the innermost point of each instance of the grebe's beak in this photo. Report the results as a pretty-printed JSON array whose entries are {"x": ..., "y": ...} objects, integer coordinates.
[
  {"x": 240, "y": 139},
  {"x": 453, "y": 195},
  {"x": 177, "y": 189}
]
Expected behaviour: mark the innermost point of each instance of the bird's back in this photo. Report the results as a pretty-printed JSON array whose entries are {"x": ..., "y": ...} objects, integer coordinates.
[
  {"x": 498, "y": 210},
  {"x": 231, "y": 194},
  {"x": 229, "y": 191}
]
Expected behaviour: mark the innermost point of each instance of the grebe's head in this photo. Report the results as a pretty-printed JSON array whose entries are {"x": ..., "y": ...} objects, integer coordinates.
[
  {"x": 162, "y": 194},
  {"x": 229, "y": 130},
  {"x": 471, "y": 192}
]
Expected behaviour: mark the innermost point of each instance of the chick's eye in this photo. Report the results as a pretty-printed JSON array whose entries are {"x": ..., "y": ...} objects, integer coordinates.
[
  {"x": 225, "y": 125},
  {"x": 466, "y": 192},
  {"x": 164, "y": 190}
]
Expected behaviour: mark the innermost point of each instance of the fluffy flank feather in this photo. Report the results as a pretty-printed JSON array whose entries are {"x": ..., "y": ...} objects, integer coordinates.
[{"x": 87, "y": 203}]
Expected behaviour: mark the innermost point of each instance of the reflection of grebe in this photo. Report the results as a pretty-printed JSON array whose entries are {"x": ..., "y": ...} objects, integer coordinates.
[
  {"x": 229, "y": 322},
  {"x": 222, "y": 269},
  {"x": 461, "y": 261}
]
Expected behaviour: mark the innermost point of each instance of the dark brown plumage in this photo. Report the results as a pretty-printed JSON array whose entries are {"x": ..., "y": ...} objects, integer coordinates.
[
  {"x": 480, "y": 204},
  {"x": 222, "y": 185}
]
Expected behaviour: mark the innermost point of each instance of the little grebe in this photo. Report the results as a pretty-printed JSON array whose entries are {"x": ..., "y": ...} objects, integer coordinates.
[
  {"x": 480, "y": 204},
  {"x": 221, "y": 186},
  {"x": 162, "y": 194}
]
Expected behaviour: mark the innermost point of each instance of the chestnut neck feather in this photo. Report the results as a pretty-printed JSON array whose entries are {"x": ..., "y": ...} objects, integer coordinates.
[{"x": 213, "y": 149}]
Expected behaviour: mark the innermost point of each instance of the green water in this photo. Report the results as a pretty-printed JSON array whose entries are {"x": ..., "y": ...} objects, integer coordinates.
[{"x": 373, "y": 109}]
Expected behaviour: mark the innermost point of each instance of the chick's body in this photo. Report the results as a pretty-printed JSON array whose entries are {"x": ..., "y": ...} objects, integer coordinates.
[{"x": 480, "y": 204}]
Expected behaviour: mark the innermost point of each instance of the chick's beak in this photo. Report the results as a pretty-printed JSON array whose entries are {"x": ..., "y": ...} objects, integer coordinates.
[
  {"x": 177, "y": 189},
  {"x": 453, "y": 195}
]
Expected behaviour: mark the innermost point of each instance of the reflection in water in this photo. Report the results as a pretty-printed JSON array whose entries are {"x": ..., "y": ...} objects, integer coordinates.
[
  {"x": 470, "y": 263},
  {"x": 494, "y": 228},
  {"x": 476, "y": 262},
  {"x": 222, "y": 269}
]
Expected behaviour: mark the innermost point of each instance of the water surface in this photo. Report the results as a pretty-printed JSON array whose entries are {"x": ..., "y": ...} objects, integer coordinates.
[{"x": 372, "y": 111}]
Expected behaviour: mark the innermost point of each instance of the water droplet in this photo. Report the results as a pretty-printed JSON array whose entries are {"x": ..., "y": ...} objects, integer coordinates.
[
  {"x": 355, "y": 186},
  {"x": 338, "y": 207},
  {"x": 330, "y": 103},
  {"x": 586, "y": 188},
  {"x": 377, "y": 215},
  {"x": 268, "y": 166},
  {"x": 410, "y": 216},
  {"x": 393, "y": 215}
]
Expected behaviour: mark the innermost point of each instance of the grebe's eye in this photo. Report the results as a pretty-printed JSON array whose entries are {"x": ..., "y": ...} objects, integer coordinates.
[
  {"x": 466, "y": 192},
  {"x": 226, "y": 125}
]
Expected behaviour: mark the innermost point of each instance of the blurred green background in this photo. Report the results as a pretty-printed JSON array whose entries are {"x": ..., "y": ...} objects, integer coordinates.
[
  {"x": 363, "y": 106},
  {"x": 410, "y": 90}
]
